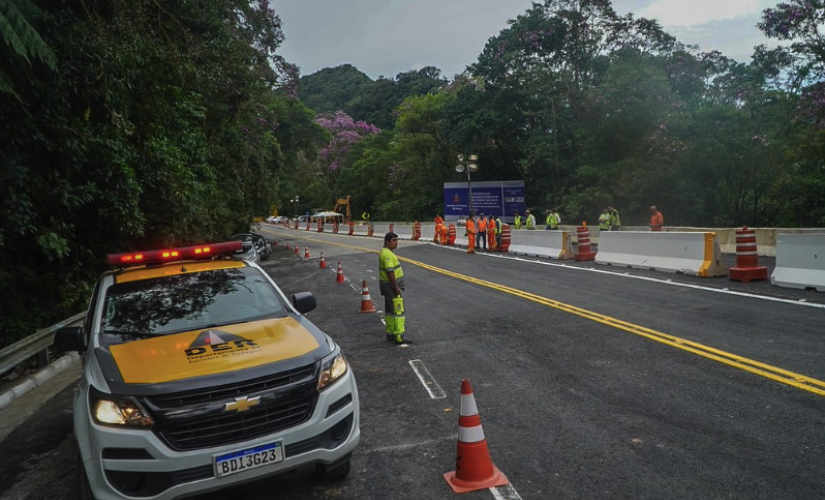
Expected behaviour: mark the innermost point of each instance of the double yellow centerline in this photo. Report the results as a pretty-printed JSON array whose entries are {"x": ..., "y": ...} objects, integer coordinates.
[{"x": 749, "y": 365}]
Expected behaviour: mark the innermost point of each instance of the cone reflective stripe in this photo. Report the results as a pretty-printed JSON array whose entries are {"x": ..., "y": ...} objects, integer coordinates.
[
  {"x": 323, "y": 262},
  {"x": 473, "y": 468},
  {"x": 367, "y": 306},
  {"x": 340, "y": 274}
]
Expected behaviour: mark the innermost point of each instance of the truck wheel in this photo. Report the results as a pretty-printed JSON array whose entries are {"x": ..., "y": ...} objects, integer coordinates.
[{"x": 335, "y": 473}]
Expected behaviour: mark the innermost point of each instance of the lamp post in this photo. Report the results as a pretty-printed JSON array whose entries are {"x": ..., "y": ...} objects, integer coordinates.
[
  {"x": 295, "y": 203},
  {"x": 468, "y": 165}
]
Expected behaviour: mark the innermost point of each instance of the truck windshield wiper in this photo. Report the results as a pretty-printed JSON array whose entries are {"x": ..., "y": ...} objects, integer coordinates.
[{"x": 131, "y": 333}]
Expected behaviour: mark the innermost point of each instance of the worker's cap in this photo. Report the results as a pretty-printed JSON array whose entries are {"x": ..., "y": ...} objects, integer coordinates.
[
  {"x": 527, "y": 211},
  {"x": 390, "y": 236}
]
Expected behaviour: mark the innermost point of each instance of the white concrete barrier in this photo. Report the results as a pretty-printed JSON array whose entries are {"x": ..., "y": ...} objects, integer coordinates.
[
  {"x": 800, "y": 262},
  {"x": 695, "y": 254},
  {"x": 541, "y": 243}
]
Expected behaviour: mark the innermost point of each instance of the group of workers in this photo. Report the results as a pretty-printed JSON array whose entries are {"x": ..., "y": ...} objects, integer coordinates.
[
  {"x": 486, "y": 231},
  {"x": 552, "y": 220}
]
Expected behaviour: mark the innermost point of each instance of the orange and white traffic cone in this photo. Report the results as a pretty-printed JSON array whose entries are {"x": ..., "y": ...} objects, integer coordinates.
[
  {"x": 297, "y": 252},
  {"x": 323, "y": 262},
  {"x": 306, "y": 252},
  {"x": 275, "y": 242},
  {"x": 287, "y": 245},
  {"x": 473, "y": 468},
  {"x": 367, "y": 305},
  {"x": 340, "y": 274}
]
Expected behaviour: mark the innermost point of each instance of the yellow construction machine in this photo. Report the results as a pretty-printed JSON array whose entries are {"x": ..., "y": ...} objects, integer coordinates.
[{"x": 343, "y": 203}]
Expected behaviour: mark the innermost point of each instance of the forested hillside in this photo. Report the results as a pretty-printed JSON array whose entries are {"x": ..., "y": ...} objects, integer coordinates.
[
  {"x": 346, "y": 89},
  {"x": 592, "y": 108}
]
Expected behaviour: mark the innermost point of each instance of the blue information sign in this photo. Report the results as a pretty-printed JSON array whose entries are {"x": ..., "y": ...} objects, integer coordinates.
[{"x": 489, "y": 198}]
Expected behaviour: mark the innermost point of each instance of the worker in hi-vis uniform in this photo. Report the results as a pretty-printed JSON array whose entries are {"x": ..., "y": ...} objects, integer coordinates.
[
  {"x": 391, "y": 284},
  {"x": 481, "y": 237},
  {"x": 470, "y": 233},
  {"x": 604, "y": 220}
]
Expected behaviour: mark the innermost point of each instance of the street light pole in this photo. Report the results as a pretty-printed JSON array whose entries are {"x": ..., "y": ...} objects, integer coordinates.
[
  {"x": 470, "y": 166},
  {"x": 295, "y": 202}
]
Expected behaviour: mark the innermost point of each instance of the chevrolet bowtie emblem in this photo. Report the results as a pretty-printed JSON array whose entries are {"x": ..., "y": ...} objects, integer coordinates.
[{"x": 242, "y": 403}]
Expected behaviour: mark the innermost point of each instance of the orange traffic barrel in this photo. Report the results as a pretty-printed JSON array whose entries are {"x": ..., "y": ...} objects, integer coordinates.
[
  {"x": 747, "y": 262},
  {"x": 351, "y": 228},
  {"x": 584, "y": 251},
  {"x": 505, "y": 238},
  {"x": 369, "y": 231},
  {"x": 320, "y": 224},
  {"x": 451, "y": 233},
  {"x": 392, "y": 227},
  {"x": 334, "y": 228},
  {"x": 307, "y": 228},
  {"x": 416, "y": 231},
  {"x": 296, "y": 223}
]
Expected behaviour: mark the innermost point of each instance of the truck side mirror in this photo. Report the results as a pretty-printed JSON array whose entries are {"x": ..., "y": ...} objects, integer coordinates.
[
  {"x": 304, "y": 302},
  {"x": 70, "y": 338}
]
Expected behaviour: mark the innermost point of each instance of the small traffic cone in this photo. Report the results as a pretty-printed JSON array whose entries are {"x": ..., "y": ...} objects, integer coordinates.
[
  {"x": 297, "y": 252},
  {"x": 306, "y": 252},
  {"x": 323, "y": 262},
  {"x": 367, "y": 305},
  {"x": 340, "y": 274},
  {"x": 287, "y": 245},
  {"x": 275, "y": 242},
  {"x": 473, "y": 468}
]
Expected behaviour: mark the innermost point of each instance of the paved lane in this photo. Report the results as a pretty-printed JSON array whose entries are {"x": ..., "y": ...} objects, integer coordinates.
[{"x": 572, "y": 408}]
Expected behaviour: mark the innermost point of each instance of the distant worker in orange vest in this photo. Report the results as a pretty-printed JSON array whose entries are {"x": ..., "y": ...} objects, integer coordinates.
[
  {"x": 444, "y": 234},
  {"x": 482, "y": 233},
  {"x": 491, "y": 233},
  {"x": 657, "y": 220},
  {"x": 438, "y": 223},
  {"x": 470, "y": 234}
]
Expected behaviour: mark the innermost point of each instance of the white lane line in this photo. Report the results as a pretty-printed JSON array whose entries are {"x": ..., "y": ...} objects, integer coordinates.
[
  {"x": 427, "y": 379},
  {"x": 506, "y": 492},
  {"x": 352, "y": 285},
  {"x": 620, "y": 274}
]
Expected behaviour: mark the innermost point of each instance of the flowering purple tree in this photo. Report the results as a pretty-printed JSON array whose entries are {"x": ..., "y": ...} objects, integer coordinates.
[
  {"x": 345, "y": 132},
  {"x": 799, "y": 22}
]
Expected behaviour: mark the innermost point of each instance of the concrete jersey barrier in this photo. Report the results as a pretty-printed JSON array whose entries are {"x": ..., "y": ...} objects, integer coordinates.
[
  {"x": 695, "y": 254},
  {"x": 800, "y": 262},
  {"x": 541, "y": 243}
]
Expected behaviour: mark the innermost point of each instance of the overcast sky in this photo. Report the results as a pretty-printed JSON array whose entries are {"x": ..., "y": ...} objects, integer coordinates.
[{"x": 386, "y": 37}]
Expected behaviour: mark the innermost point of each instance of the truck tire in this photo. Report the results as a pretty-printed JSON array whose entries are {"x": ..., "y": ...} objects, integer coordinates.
[
  {"x": 338, "y": 472},
  {"x": 84, "y": 489}
]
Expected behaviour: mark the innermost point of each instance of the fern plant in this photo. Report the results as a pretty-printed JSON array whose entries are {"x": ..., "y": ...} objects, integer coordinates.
[{"x": 16, "y": 30}]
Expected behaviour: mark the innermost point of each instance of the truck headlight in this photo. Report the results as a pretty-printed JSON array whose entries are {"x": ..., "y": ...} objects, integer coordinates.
[
  {"x": 332, "y": 369},
  {"x": 114, "y": 410}
]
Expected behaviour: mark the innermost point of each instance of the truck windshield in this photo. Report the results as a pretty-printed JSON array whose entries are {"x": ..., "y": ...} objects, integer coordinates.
[{"x": 183, "y": 302}]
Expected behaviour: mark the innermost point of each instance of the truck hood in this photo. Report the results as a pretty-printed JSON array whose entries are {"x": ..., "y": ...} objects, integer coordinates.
[{"x": 225, "y": 353}]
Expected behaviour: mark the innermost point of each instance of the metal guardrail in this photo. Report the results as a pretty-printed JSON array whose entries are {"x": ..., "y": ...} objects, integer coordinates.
[{"x": 37, "y": 343}]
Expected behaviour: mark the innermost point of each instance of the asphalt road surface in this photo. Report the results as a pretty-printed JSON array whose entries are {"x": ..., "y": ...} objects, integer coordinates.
[{"x": 591, "y": 382}]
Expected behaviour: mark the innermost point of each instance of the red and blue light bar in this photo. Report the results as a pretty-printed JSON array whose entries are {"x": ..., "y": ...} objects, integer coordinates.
[{"x": 173, "y": 254}]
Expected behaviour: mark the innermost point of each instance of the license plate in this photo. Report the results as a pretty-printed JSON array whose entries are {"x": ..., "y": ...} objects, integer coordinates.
[{"x": 252, "y": 458}]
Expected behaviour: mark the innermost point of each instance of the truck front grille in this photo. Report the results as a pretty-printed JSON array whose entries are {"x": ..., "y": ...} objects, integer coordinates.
[
  {"x": 236, "y": 427},
  {"x": 212, "y": 417}
]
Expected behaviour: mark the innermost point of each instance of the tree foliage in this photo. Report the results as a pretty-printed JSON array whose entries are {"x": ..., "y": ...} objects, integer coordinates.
[{"x": 163, "y": 123}]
